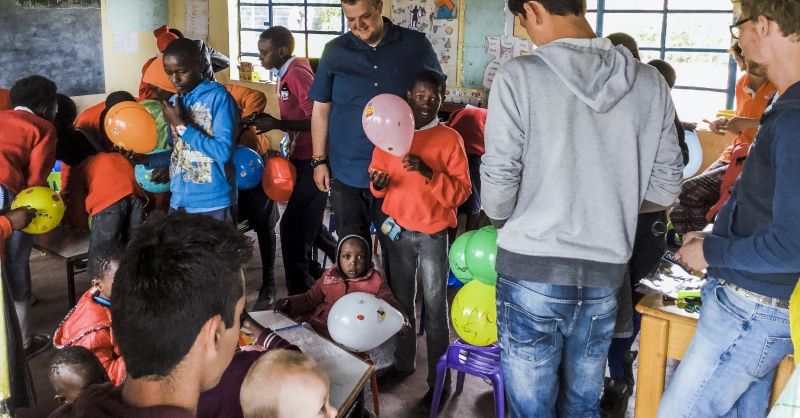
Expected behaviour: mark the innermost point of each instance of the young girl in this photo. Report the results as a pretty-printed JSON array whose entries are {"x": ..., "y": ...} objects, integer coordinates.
[
  {"x": 73, "y": 369},
  {"x": 353, "y": 273},
  {"x": 88, "y": 324},
  {"x": 283, "y": 384}
]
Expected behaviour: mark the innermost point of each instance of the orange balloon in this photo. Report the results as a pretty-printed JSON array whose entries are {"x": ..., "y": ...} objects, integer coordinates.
[
  {"x": 131, "y": 127},
  {"x": 279, "y": 178}
]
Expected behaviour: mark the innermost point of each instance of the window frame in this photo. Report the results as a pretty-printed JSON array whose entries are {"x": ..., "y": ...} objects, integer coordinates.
[{"x": 662, "y": 49}]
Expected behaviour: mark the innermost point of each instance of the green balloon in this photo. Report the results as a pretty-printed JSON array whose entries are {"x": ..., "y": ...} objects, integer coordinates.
[
  {"x": 154, "y": 107},
  {"x": 480, "y": 254},
  {"x": 458, "y": 262}
]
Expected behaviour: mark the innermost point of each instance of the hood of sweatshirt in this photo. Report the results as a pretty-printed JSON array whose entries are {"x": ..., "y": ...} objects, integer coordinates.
[
  {"x": 600, "y": 75},
  {"x": 368, "y": 270}
]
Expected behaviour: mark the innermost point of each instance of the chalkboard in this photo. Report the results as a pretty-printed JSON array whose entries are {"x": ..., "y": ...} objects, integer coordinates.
[
  {"x": 482, "y": 18},
  {"x": 59, "y": 39}
]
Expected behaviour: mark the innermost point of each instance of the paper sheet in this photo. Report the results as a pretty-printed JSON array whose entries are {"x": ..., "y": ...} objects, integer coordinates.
[
  {"x": 197, "y": 19},
  {"x": 126, "y": 42}
]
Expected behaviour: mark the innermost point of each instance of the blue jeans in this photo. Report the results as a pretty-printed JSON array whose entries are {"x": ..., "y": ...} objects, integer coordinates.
[
  {"x": 730, "y": 364},
  {"x": 554, "y": 342}
]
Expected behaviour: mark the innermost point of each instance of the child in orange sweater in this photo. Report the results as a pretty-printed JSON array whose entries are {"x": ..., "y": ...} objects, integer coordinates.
[
  {"x": 421, "y": 193},
  {"x": 88, "y": 324}
]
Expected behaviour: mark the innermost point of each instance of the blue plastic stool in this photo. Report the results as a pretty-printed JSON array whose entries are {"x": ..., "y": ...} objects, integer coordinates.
[{"x": 483, "y": 362}]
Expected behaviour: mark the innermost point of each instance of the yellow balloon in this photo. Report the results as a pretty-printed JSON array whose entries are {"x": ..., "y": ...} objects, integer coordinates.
[
  {"x": 474, "y": 314},
  {"x": 49, "y": 208}
]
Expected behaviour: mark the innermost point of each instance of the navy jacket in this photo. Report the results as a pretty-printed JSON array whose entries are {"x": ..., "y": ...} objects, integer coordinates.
[{"x": 755, "y": 242}]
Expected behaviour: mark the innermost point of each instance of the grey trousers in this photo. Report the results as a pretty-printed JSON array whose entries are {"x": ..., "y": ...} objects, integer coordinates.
[
  {"x": 419, "y": 257},
  {"x": 16, "y": 270}
]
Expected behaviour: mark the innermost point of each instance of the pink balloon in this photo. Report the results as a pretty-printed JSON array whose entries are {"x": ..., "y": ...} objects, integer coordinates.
[{"x": 389, "y": 123}]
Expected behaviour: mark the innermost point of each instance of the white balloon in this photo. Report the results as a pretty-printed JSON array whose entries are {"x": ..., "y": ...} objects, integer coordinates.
[
  {"x": 361, "y": 321},
  {"x": 695, "y": 155}
]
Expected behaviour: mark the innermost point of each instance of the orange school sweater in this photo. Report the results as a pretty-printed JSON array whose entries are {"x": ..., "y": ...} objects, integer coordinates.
[
  {"x": 97, "y": 183},
  {"x": 27, "y": 149},
  {"x": 5, "y": 232},
  {"x": 416, "y": 203},
  {"x": 748, "y": 106}
]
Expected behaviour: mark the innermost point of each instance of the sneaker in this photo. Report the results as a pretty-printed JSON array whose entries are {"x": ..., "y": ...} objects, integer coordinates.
[
  {"x": 427, "y": 400},
  {"x": 392, "y": 375},
  {"x": 38, "y": 345},
  {"x": 614, "y": 402},
  {"x": 265, "y": 300}
]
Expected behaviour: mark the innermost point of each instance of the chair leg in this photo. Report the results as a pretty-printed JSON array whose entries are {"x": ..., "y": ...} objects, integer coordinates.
[
  {"x": 441, "y": 367},
  {"x": 499, "y": 396},
  {"x": 459, "y": 382},
  {"x": 374, "y": 387}
]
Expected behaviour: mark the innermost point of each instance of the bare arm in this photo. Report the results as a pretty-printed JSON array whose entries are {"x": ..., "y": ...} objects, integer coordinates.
[{"x": 319, "y": 141}]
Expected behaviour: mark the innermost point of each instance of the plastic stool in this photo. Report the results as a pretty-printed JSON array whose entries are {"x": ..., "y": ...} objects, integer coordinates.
[{"x": 478, "y": 361}]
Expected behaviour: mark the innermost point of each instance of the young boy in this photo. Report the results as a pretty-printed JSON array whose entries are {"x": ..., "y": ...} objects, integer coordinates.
[
  {"x": 88, "y": 324},
  {"x": 27, "y": 154},
  {"x": 286, "y": 384},
  {"x": 470, "y": 123},
  {"x": 302, "y": 218},
  {"x": 421, "y": 192},
  {"x": 73, "y": 369},
  {"x": 205, "y": 124},
  {"x": 177, "y": 302},
  {"x": 353, "y": 272}
]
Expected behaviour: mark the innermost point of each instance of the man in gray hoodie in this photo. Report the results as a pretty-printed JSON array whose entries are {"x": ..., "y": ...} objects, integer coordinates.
[{"x": 579, "y": 137}]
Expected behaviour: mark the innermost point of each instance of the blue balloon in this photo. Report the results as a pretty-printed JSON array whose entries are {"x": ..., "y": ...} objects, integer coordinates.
[
  {"x": 453, "y": 282},
  {"x": 57, "y": 166},
  {"x": 144, "y": 180},
  {"x": 249, "y": 168}
]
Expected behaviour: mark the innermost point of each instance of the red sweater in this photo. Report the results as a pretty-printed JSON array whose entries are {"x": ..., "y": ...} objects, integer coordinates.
[
  {"x": 88, "y": 324},
  {"x": 295, "y": 104},
  {"x": 88, "y": 122},
  {"x": 27, "y": 150},
  {"x": 416, "y": 203},
  {"x": 5, "y": 99},
  {"x": 97, "y": 183},
  {"x": 5, "y": 232},
  {"x": 470, "y": 123},
  {"x": 316, "y": 303}
]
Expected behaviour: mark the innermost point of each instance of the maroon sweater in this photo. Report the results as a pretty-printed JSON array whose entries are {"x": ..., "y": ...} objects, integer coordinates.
[{"x": 104, "y": 400}]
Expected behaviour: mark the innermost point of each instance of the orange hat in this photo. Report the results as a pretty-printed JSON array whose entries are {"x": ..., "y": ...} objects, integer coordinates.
[
  {"x": 156, "y": 76},
  {"x": 164, "y": 37}
]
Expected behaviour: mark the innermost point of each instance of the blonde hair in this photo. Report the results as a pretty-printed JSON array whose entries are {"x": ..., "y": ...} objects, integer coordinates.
[
  {"x": 786, "y": 13},
  {"x": 259, "y": 395}
]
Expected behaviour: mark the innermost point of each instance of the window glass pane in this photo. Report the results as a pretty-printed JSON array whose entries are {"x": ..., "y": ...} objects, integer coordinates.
[
  {"x": 336, "y": 2},
  {"x": 700, "y": 69},
  {"x": 644, "y": 27},
  {"x": 253, "y": 16},
  {"x": 592, "y": 18},
  {"x": 316, "y": 43},
  {"x": 325, "y": 18},
  {"x": 634, "y": 4},
  {"x": 591, "y": 5},
  {"x": 648, "y": 56},
  {"x": 696, "y": 105},
  {"x": 292, "y": 17},
  {"x": 263, "y": 73},
  {"x": 699, "y": 5},
  {"x": 255, "y": 2},
  {"x": 698, "y": 30},
  {"x": 249, "y": 41},
  {"x": 299, "y": 44}
]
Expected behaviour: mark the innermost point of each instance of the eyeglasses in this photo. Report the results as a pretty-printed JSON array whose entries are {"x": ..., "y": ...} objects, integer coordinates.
[{"x": 734, "y": 28}]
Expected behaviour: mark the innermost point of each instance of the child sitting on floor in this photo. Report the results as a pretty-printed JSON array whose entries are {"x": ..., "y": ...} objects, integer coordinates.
[
  {"x": 72, "y": 369},
  {"x": 88, "y": 324},
  {"x": 283, "y": 384},
  {"x": 353, "y": 273}
]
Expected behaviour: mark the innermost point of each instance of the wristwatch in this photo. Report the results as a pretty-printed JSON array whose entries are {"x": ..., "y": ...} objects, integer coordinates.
[{"x": 318, "y": 161}]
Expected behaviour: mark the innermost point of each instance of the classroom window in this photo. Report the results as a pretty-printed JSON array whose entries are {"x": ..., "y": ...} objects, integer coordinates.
[
  {"x": 689, "y": 34},
  {"x": 312, "y": 22}
]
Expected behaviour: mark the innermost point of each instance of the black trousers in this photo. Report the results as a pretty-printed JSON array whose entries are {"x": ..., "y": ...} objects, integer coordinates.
[
  {"x": 114, "y": 223},
  {"x": 262, "y": 214},
  {"x": 299, "y": 227},
  {"x": 357, "y": 208}
]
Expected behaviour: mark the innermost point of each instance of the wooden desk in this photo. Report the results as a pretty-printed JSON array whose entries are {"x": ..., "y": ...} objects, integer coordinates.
[
  {"x": 666, "y": 332},
  {"x": 347, "y": 373},
  {"x": 69, "y": 245}
]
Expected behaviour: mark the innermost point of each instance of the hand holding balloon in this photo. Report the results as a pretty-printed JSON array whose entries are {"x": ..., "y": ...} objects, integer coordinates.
[
  {"x": 160, "y": 175},
  {"x": 412, "y": 162},
  {"x": 20, "y": 217},
  {"x": 282, "y": 306},
  {"x": 265, "y": 123},
  {"x": 379, "y": 179},
  {"x": 173, "y": 114}
]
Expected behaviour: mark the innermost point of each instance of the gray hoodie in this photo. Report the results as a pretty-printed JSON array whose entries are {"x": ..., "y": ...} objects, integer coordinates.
[{"x": 578, "y": 135}]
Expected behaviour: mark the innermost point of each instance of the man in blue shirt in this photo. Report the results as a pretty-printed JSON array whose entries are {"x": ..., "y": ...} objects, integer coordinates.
[
  {"x": 753, "y": 252},
  {"x": 375, "y": 57}
]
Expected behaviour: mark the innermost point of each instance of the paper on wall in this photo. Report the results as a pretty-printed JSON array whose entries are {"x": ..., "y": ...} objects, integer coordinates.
[
  {"x": 503, "y": 49},
  {"x": 126, "y": 42},
  {"x": 197, "y": 19},
  {"x": 437, "y": 19}
]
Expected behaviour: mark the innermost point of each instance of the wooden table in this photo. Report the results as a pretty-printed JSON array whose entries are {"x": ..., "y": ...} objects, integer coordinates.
[
  {"x": 69, "y": 245},
  {"x": 348, "y": 374},
  {"x": 666, "y": 332}
]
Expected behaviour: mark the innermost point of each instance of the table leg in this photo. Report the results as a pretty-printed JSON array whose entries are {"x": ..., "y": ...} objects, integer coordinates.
[
  {"x": 652, "y": 366},
  {"x": 785, "y": 369},
  {"x": 71, "y": 283}
]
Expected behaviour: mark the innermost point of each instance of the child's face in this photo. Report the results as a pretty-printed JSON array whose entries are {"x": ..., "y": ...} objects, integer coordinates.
[
  {"x": 425, "y": 101},
  {"x": 184, "y": 75},
  {"x": 305, "y": 396},
  {"x": 67, "y": 384},
  {"x": 270, "y": 56},
  {"x": 105, "y": 282},
  {"x": 161, "y": 94},
  {"x": 353, "y": 258}
]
